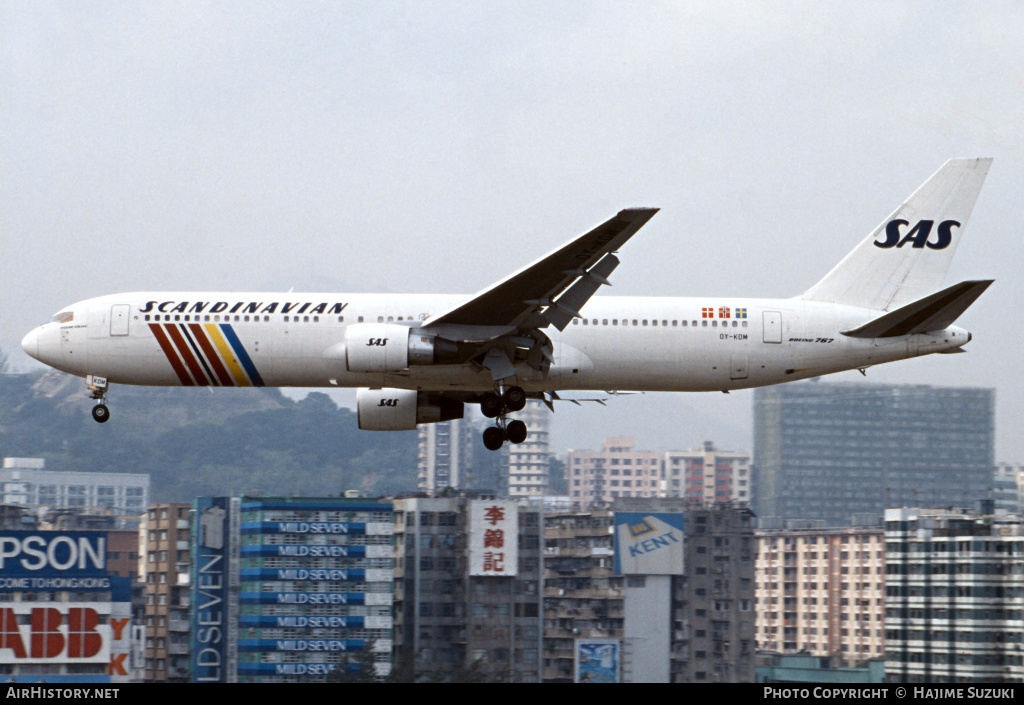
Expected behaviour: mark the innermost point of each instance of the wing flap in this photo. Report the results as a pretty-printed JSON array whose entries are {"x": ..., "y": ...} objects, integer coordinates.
[
  {"x": 934, "y": 312},
  {"x": 567, "y": 306}
]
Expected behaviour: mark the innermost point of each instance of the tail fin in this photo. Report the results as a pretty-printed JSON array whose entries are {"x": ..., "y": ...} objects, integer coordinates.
[{"x": 907, "y": 256}]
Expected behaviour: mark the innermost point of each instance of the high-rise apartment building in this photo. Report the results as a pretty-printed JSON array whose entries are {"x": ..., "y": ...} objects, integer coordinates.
[
  {"x": 618, "y": 470},
  {"x": 707, "y": 474},
  {"x": 583, "y": 596},
  {"x": 291, "y": 589},
  {"x": 954, "y": 585},
  {"x": 821, "y": 591},
  {"x": 468, "y": 587},
  {"x": 694, "y": 625},
  {"x": 446, "y": 455},
  {"x": 828, "y": 451},
  {"x": 1008, "y": 487},
  {"x": 526, "y": 467},
  {"x": 164, "y": 548}
]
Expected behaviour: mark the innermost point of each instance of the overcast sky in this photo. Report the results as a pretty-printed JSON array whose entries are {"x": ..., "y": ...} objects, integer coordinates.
[{"x": 438, "y": 146}]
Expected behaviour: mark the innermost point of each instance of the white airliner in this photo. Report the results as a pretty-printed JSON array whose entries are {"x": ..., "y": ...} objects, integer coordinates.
[{"x": 421, "y": 358}]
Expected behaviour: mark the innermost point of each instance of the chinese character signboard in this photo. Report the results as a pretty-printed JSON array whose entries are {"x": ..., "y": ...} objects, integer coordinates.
[
  {"x": 648, "y": 544},
  {"x": 493, "y": 538}
]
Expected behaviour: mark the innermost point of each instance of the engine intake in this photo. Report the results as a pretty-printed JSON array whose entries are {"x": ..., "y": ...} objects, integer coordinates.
[
  {"x": 389, "y": 347},
  {"x": 401, "y": 409}
]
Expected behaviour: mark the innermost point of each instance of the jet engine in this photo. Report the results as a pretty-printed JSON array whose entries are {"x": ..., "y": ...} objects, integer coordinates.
[
  {"x": 402, "y": 409},
  {"x": 388, "y": 347}
]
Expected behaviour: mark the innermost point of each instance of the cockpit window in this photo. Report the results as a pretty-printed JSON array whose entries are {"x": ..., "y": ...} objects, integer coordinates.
[{"x": 63, "y": 317}]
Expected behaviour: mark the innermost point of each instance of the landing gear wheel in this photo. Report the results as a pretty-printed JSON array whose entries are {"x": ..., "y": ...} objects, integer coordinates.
[
  {"x": 516, "y": 431},
  {"x": 494, "y": 438},
  {"x": 100, "y": 413},
  {"x": 515, "y": 398},
  {"x": 490, "y": 405}
]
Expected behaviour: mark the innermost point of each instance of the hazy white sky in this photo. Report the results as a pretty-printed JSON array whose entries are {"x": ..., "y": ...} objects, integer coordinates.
[{"x": 437, "y": 146}]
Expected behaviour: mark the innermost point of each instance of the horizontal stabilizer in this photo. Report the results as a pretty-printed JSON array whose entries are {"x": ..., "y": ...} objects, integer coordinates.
[{"x": 935, "y": 312}]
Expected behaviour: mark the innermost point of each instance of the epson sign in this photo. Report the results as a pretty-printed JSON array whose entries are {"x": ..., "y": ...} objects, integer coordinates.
[{"x": 41, "y": 552}]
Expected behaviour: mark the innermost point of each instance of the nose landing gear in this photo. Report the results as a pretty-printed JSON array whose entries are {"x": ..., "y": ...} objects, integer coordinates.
[
  {"x": 493, "y": 405},
  {"x": 98, "y": 390}
]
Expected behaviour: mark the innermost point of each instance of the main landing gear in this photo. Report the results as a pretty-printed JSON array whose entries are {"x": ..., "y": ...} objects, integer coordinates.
[
  {"x": 98, "y": 391},
  {"x": 494, "y": 405}
]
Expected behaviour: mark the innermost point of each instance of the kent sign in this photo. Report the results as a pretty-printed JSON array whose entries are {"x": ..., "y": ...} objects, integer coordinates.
[{"x": 648, "y": 544}]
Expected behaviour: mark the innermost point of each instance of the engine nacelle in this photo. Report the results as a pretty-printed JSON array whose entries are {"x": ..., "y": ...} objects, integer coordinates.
[
  {"x": 389, "y": 347},
  {"x": 402, "y": 409}
]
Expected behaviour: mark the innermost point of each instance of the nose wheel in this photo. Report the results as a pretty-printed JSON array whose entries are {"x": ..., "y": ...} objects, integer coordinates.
[
  {"x": 100, "y": 413},
  {"x": 98, "y": 391},
  {"x": 495, "y": 406}
]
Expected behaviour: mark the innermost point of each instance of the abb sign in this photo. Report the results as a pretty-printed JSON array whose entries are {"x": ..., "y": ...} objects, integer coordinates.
[{"x": 67, "y": 633}]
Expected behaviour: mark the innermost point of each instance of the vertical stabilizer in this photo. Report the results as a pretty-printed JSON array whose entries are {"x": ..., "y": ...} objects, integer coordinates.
[{"x": 907, "y": 256}]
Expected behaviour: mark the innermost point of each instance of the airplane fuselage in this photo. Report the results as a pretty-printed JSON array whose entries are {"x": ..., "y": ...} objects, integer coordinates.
[{"x": 617, "y": 343}]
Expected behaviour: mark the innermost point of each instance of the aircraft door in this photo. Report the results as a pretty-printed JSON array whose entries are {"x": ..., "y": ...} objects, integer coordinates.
[
  {"x": 119, "y": 315},
  {"x": 773, "y": 326}
]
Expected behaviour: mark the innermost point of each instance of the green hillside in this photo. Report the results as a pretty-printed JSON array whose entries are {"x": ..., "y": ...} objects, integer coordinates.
[{"x": 196, "y": 442}]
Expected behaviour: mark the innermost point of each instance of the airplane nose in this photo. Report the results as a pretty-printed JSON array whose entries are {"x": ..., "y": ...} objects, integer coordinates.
[{"x": 30, "y": 344}]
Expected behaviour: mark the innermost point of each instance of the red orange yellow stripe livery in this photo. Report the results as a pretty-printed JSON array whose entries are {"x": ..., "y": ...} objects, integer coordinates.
[{"x": 206, "y": 355}]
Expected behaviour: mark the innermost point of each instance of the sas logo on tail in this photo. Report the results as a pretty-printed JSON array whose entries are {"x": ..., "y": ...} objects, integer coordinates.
[{"x": 918, "y": 235}]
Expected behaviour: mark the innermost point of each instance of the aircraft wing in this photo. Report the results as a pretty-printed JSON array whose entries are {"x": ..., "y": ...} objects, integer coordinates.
[{"x": 551, "y": 290}]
